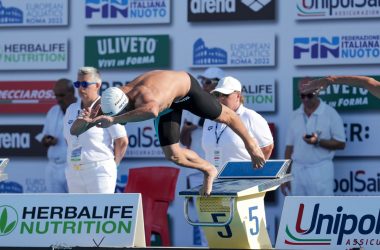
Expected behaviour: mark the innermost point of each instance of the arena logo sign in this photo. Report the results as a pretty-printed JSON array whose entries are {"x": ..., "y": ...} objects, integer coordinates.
[
  {"x": 341, "y": 97},
  {"x": 260, "y": 96},
  {"x": 127, "y": 12},
  {"x": 334, "y": 9},
  {"x": 34, "y": 13},
  {"x": 338, "y": 49},
  {"x": 33, "y": 54},
  {"x": 110, "y": 52},
  {"x": 229, "y": 52},
  {"x": 19, "y": 140},
  {"x": 329, "y": 223},
  {"x": 229, "y": 10}
]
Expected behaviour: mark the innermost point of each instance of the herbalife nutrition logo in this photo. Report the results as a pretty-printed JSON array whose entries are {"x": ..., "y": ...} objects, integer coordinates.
[{"x": 8, "y": 220}]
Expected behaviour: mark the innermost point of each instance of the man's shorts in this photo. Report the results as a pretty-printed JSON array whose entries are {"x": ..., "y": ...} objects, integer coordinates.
[{"x": 197, "y": 101}]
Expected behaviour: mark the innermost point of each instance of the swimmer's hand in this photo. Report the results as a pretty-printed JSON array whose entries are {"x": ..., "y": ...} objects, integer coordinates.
[{"x": 103, "y": 121}]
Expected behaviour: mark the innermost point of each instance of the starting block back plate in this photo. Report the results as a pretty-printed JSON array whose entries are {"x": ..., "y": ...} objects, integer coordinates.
[{"x": 244, "y": 170}]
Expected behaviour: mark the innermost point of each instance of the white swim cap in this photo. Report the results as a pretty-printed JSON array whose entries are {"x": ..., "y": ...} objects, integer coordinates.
[{"x": 113, "y": 101}]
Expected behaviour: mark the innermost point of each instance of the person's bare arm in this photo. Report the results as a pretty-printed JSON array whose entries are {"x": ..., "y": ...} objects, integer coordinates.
[
  {"x": 330, "y": 144},
  {"x": 232, "y": 120},
  {"x": 267, "y": 151},
  {"x": 185, "y": 134},
  {"x": 120, "y": 147},
  {"x": 369, "y": 83},
  {"x": 84, "y": 121}
]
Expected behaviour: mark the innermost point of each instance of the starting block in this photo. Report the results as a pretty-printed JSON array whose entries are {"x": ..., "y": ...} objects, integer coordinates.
[
  {"x": 233, "y": 216},
  {"x": 3, "y": 164}
]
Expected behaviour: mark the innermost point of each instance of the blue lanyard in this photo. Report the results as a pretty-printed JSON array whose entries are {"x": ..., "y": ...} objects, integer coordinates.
[{"x": 217, "y": 137}]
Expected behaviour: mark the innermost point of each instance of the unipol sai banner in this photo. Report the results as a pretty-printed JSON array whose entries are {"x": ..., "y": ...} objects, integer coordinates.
[
  {"x": 335, "y": 222},
  {"x": 33, "y": 53}
]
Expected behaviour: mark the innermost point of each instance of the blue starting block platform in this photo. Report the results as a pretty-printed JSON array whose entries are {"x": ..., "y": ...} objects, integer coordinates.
[{"x": 233, "y": 216}]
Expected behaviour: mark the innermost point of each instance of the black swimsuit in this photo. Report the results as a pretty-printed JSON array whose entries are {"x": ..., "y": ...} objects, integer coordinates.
[{"x": 197, "y": 101}]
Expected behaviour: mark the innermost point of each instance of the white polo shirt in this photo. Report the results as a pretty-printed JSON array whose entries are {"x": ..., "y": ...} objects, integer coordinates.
[
  {"x": 54, "y": 126},
  {"x": 96, "y": 143},
  {"x": 230, "y": 147},
  {"x": 325, "y": 121}
]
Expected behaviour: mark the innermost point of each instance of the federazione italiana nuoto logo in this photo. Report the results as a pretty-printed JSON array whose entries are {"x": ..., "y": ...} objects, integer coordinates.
[{"x": 8, "y": 220}]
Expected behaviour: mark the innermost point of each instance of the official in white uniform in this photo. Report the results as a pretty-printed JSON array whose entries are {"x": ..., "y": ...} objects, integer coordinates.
[
  {"x": 94, "y": 155},
  {"x": 315, "y": 131},
  {"x": 52, "y": 137},
  {"x": 220, "y": 143}
]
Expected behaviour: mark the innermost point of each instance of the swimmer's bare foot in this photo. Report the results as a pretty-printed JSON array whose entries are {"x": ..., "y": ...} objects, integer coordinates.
[{"x": 209, "y": 177}]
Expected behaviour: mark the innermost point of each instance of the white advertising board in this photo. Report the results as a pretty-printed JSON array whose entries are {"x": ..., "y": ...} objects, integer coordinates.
[
  {"x": 84, "y": 220},
  {"x": 329, "y": 223}
]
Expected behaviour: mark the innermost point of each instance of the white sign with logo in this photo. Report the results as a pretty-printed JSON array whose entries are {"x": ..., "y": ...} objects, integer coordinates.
[
  {"x": 33, "y": 53},
  {"x": 143, "y": 140},
  {"x": 358, "y": 176},
  {"x": 362, "y": 134},
  {"x": 259, "y": 94},
  {"x": 233, "y": 51},
  {"x": 329, "y": 223},
  {"x": 337, "y": 48},
  {"x": 127, "y": 12},
  {"x": 34, "y": 13},
  {"x": 306, "y": 10},
  {"x": 67, "y": 220}
]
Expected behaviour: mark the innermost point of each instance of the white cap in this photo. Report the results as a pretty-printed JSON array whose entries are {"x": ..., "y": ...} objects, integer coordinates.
[
  {"x": 212, "y": 73},
  {"x": 227, "y": 85},
  {"x": 113, "y": 101}
]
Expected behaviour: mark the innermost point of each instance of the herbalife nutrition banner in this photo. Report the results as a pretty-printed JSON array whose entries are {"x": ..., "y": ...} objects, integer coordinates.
[
  {"x": 329, "y": 223},
  {"x": 120, "y": 52},
  {"x": 68, "y": 220},
  {"x": 342, "y": 97},
  {"x": 260, "y": 94},
  {"x": 33, "y": 53}
]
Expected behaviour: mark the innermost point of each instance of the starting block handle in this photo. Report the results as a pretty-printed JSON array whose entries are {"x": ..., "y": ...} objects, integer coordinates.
[{"x": 209, "y": 224}]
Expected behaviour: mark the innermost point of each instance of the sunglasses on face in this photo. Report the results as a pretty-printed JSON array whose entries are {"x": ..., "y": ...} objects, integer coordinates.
[
  {"x": 309, "y": 96},
  {"x": 207, "y": 81},
  {"x": 218, "y": 94},
  {"x": 84, "y": 84}
]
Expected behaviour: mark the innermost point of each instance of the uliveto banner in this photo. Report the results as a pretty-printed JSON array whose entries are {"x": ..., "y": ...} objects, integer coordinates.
[
  {"x": 329, "y": 223},
  {"x": 22, "y": 97},
  {"x": 342, "y": 97},
  {"x": 34, "y": 13},
  {"x": 112, "y": 52}
]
